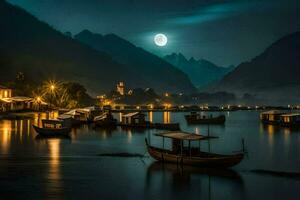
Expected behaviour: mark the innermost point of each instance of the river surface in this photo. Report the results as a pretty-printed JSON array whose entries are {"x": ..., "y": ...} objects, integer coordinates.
[{"x": 39, "y": 168}]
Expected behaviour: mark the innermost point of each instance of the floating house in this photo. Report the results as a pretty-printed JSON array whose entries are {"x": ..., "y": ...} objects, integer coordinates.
[
  {"x": 291, "y": 119},
  {"x": 271, "y": 117},
  {"x": 134, "y": 118}
]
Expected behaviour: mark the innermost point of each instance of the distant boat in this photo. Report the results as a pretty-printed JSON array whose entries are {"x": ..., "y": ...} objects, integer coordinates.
[
  {"x": 182, "y": 155},
  {"x": 105, "y": 120},
  {"x": 196, "y": 118},
  {"x": 52, "y": 128}
]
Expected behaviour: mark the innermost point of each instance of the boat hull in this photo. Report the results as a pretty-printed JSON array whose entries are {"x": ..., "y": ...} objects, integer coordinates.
[
  {"x": 171, "y": 127},
  {"x": 215, "y": 120},
  {"x": 52, "y": 132},
  {"x": 208, "y": 159},
  {"x": 104, "y": 123}
]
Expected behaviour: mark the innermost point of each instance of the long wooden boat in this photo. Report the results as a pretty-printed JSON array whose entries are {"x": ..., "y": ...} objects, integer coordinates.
[
  {"x": 191, "y": 156},
  {"x": 196, "y": 118},
  {"x": 52, "y": 128}
]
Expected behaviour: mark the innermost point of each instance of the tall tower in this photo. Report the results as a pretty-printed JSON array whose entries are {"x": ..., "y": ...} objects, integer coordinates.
[{"x": 121, "y": 88}]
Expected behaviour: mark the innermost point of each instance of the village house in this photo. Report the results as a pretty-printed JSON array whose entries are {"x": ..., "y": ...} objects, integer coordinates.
[{"x": 8, "y": 102}]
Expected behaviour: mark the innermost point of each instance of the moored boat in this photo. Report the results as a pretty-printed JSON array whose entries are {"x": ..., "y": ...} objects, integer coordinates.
[
  {"x": 52, "y": 128},
  {"x": 137, "y": 120},
  {"x": 197, "y": 118},
  {"x": 182, "y": 155}
]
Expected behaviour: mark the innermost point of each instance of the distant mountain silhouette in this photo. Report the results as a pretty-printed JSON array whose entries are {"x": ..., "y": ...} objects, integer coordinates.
[
  {"x": 201, "y": 72},
  {"x": 273, "y": 75},
  {"x": 33, "y": 47},
  {"x": 153, "y": 70}
]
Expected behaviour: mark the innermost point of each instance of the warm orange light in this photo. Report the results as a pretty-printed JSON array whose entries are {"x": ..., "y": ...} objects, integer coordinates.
[{"x": 166, "y": 94}]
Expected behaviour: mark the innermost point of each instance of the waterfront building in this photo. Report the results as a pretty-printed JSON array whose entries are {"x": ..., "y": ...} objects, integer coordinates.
[
  {"x": 271, "y": 117},
  {"x": 134, "y": 118},
  {"x": 5, "y": 92},
  {"x": 290, "y": 119},
  {"x": 121, "y": 88}
]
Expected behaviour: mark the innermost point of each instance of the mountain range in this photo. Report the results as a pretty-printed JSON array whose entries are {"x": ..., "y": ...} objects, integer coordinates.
[
  {"x": 153, "y": 70},
  {"x": 201, "y": 72},
  {"x": 33, "y": 47},
  {"x": 272, "y": 76}
]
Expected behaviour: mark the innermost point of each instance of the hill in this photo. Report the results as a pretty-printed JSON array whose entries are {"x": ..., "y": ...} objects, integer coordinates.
[
  {"x": 273, "y": 75},
  {"x": 201, "y": 72}
]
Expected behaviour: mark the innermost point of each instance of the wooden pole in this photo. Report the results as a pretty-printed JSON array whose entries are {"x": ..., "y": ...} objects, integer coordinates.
[
  {"x": 190, "y": 148},
  {"x": 181, "y": 146}
]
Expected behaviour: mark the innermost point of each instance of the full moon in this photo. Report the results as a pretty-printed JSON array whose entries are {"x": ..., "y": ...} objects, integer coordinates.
[{"x": 160, "y": 39}]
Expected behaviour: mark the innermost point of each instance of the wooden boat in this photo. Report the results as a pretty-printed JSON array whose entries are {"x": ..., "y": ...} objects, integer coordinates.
[
  {"x": 52, "y": 128},
  {"x": 137, "y": 120},
  {"x": 196, "y": 118},
  {"x": 105, "y": 120},
  {"x": 191, "y": 156}
]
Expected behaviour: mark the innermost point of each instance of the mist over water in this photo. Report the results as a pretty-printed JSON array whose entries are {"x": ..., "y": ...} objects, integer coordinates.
[{"x": 70, "y": 168}]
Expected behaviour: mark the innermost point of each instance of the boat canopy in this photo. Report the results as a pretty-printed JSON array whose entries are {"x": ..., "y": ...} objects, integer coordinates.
[
  {"x": 184, "y": 136},
  {"x": 101, "y": 117},
  {"x": 133, "y": 114}
]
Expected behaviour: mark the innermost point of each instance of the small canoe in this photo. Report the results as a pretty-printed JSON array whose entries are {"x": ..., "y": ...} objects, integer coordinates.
[{"x": 195, "y": 118}]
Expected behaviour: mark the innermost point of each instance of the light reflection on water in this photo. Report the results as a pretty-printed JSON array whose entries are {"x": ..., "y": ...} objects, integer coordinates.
[
  {"x": 54, "y": 175},
  {"x": 70, "y": 167}
]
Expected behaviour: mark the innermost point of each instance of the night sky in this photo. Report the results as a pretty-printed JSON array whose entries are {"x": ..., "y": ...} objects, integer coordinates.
[{"x": 224, "y": 32}]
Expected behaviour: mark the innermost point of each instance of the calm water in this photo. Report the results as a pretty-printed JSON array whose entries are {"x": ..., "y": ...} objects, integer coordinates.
[{"x": 34, "y": 168}]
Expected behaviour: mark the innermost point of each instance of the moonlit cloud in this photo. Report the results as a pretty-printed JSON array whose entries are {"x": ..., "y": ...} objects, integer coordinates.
[{"x": 217, "y": 11}]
